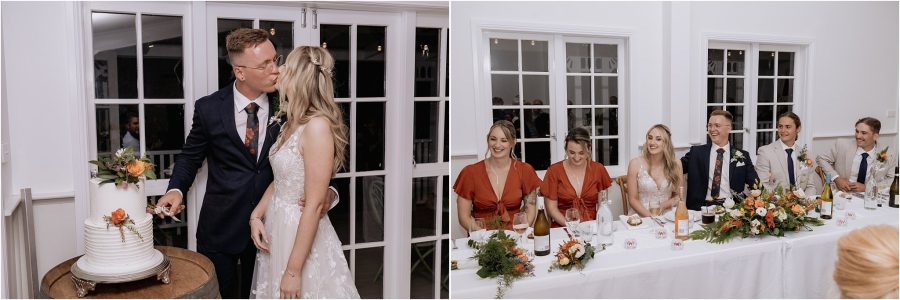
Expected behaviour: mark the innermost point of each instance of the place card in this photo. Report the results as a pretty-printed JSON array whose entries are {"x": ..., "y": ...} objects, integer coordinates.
[
  {"x": 677, "y": 244},
  {"x": 842, "y": 221},
  {"x": 851, "y": 214},
  {"x": 630, "y": 243},
  {"x": 660, "y": 233}
]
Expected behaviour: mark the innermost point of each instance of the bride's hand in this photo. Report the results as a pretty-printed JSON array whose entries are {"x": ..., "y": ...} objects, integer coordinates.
[
  {"x": 259, "y": 235},
  {"x": 290, "y": 285}
]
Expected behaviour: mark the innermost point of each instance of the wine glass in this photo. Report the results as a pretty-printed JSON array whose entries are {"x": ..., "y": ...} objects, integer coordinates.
[
  {"x": 573, "y": 219},
  {"x": 520, "y": 225},
  {"x": 477, "y": 230}
]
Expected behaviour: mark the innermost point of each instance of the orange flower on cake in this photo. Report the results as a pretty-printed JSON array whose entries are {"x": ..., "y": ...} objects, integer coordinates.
[{"x": 118, "y": 216}]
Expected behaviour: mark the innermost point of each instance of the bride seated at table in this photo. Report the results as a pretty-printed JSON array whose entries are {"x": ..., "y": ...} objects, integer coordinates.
[{"x": 656, "y": 173}]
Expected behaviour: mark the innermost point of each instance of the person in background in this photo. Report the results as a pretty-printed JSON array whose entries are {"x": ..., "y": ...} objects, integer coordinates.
[
  {"x": 132, "y": 137},
  {"x": 867, "y": 263}
]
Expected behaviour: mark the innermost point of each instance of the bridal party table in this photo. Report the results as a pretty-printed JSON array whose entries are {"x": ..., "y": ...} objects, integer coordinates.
[{"x": 799, "y": 265}]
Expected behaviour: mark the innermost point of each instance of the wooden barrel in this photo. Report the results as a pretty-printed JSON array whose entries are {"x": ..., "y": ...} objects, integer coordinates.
[{"x": 191, "y": 276}]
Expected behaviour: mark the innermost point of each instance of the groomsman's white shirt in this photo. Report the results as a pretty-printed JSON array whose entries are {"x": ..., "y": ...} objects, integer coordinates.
[
  {"x": 724, "y": 184},
  {"x": 854, "y": 169},
  {"x": 240, "y": 117}
]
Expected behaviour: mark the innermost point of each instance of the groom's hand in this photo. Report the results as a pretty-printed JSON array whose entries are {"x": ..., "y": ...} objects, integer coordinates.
[
  {"x": 171, "y": 200},
  {"x": 331, "y": 196}
]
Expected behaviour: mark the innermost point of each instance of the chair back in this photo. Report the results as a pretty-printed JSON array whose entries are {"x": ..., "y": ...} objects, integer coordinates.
[
  {"x": 821, "y": 174},
  {"x": 622, "y": 181}
]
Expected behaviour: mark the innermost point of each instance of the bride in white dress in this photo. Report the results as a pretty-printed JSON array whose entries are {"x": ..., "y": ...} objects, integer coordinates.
[
  {"x": 656, "y": 173},
  {"x": 300, "y": 256}
]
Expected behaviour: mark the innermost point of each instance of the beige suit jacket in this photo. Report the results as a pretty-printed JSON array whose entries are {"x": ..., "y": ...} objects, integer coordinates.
[
  {"x": 839, "y": 160},
  {"x": 771, "y": 164}
]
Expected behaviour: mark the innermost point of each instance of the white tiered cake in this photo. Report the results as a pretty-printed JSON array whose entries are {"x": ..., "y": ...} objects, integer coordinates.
[{"x": 105, "y": 252}]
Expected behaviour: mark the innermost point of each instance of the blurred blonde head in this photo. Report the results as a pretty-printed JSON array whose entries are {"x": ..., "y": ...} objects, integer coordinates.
[
  {"x": 307, "y": 91},
  {"x": 867, "y": 265}
]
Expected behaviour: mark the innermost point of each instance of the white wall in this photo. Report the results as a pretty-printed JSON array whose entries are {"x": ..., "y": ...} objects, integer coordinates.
[{"x": 853, "y": 63}]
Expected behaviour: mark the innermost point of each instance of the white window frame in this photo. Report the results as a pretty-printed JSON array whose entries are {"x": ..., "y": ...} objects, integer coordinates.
[{"x": 745, "y": 105}]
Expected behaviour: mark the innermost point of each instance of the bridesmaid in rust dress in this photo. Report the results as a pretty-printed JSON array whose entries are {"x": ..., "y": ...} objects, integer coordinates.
[
  {"x": 576, "y": 181},
  {"x": 497, "y": 185}
]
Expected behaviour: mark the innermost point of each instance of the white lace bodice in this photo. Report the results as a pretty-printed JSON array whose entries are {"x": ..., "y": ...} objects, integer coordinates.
[
  {"x": 648, "y": 187},
  {"x": 288, "y": 169}
]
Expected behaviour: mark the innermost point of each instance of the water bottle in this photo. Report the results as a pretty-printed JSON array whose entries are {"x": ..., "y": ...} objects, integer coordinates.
[
  {"x": 870, "y": 196},
  {"x": 604, "y": 223}
]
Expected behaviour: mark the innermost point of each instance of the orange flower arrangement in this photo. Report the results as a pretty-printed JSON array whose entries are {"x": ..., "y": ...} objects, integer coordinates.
[
  {"x": 124, "y": 168},
  {"x": 573, "y": 253}
]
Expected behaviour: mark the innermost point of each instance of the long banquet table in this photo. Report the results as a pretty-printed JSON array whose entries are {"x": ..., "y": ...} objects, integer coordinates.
[{"x": 799, "y": 265}]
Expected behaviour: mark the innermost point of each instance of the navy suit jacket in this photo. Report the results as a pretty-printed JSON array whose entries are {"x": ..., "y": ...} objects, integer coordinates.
[
  {"x": 237, "y": 180},
  {"x": 696, "y": 164}
]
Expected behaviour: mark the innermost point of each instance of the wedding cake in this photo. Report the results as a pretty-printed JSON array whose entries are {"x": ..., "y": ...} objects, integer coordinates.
[{"x": 118, "y": 235}]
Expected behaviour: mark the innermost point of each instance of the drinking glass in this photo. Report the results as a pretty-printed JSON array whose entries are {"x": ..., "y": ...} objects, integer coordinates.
[
  {"x": 573, "y": 219},
  {"x": 520, "y": 225},
  {"x": 477, "y": 229}
]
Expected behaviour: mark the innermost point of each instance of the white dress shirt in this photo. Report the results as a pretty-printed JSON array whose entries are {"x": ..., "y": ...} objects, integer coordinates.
[
  {"x": 132, "y": 141},
  {"x": 724, "y": 184},
  {"x": 857, "y": 159},
  {"x": 240, "y": 117}
]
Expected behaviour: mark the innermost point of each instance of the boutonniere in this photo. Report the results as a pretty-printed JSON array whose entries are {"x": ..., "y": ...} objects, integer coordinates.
[
  {"x": 882, "y": 155},
  {"x": 276, "y": 118},
  {"x": 737, "y": 156},
  {"x": 803, "y": 157}
]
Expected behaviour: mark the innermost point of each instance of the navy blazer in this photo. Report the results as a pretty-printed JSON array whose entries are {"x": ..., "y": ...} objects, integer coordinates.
[
  {"x": 237, "y": 180},
  {"x": 696, "y": 164}
]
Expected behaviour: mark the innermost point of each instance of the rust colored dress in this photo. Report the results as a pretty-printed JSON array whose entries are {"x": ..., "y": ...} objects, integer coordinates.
[
  {"x": 474, "y": 184},
  {"x": 556, "y": 186}
]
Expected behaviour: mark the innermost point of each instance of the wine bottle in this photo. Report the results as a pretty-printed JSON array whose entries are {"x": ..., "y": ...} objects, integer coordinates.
[
  {"x": 827, "y": 199},
  {"x": 894, "y": 191},
  {"x": 682, "y": 219},
  {"x": 541, "y": 231}
]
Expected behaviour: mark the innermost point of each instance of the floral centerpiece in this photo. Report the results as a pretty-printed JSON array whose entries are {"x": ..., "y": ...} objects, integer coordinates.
[
  {"x": 121, "y": 220},
  {"x": 573, "y": 254},
  {"x": 124, "y": 168},
  {"x": 761, "y": 213},
  {"x": 499, "y": 257}
]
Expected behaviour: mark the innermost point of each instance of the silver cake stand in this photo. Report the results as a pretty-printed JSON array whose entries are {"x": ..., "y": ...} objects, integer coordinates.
[{"x": 85, "y": 282}]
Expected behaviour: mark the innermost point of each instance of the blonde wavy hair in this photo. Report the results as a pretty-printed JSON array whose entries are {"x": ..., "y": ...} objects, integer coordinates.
[
  {"x": 671, "y": 163},
  {"x": 307, "y": 91},
  {"x": 509, "y": 131},
  {"x": 867, "y": 265}
]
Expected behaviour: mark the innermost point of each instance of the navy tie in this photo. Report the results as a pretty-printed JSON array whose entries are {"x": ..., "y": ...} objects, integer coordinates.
[
  {"x": 863, "y": 167},
  {"x": 790, "y": 166}
]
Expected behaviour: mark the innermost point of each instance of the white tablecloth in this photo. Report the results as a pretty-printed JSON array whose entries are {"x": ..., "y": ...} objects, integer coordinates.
[{"x": 798, "y": 265}]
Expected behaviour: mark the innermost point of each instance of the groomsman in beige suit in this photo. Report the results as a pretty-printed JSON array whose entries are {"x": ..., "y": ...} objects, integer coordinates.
[
  {"x": 849, "y": 163},
  {"x": 784, "y": 162}
]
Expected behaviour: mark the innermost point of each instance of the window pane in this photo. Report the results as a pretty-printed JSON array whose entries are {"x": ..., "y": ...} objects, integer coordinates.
[
  {"x": 710, "y": 109},
  {"x": 511, "y": 115},
  {"x": 518, "y": 151},
  {"x": 163, "y": 63},
  {"x": 370, "y": 61},
  {"x": 445, "y": 269},
  {"x": 115, "y": 58},
  {"x": 421, "y": 274},
  {"x": 765, "y": 117},
  {"x": 737, "y": 140},
  {"x": 505, "y": 89},
  {"x": 445, "y": 205},
  {"x": 504, "y": 55},
  {"x": 118, "y": 126},
  {"x": 735, "y": 62},
  {"x": 336, "y": 38},
  {"x": 446, "y": 131},
  {"x": 537, "y": 123},
  {"x": 223, "y": 28},
  {"x": 369, "y": 209},
  {"x": 714, "y": 90},
  {"x": 370, "y": 272},
  {"x": 427, "y": 53},
  {"x": 735, "y": 90},
  {"x": 578, "y": 58},
  {"x": 534, "y": 56},
  {"x": 605, "y": 58},
  {"x": 780, "y": 109},
  {"x": 538, "y": 154},
  {"x": 536, "y": 89},
  {"x": 766, "y": 63},
  {"x": 764, "y": 138},
  {"x": 165, "y": 135},
  {"x": 345, "y": 112},
  {"x": 785, "y": 90},
  {"x": 607, "y": 121},
  {"x": 424, "y": 200},
  {"x": 340, "y": 214},
  {"x": 578, "y": 90},
  {"x": 607, "y": 90},
  {"x": 425, "y": 132},
  {"x": 281, "y": 34},
  {"x": 579, "y": 117},
  {"x": 715, "y": 62},
  {"x": 738, "y": 113},
  {"x": 447, "y": 67},
  {"x": 766, "y": 90},
  {"x": 785, "y": 63},
  {"x": 369, "y": 136},
  {"x": 607, "y": 151}
]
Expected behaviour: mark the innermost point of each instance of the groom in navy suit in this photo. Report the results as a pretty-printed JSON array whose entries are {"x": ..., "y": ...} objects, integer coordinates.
[
  {"x": 715, "y": 170},
  {"x": 231, "y": 131}
]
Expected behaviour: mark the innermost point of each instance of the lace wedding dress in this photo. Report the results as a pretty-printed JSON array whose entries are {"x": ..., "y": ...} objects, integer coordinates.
[
  {"x": 325, "y": 273},
  {"x": 649, "y": 189}
]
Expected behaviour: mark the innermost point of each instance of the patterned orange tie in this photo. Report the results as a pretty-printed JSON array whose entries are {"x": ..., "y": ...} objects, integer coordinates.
[{"x": 251, "y": 138}]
